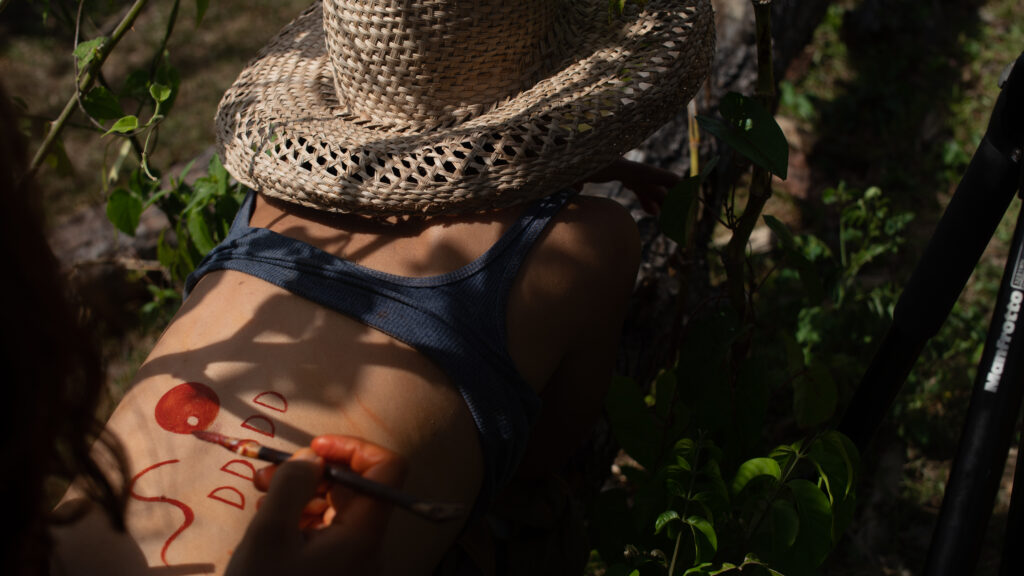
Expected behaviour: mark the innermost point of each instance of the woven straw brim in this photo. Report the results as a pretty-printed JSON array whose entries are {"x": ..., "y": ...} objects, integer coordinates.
[{"x": 283, "y": 133}]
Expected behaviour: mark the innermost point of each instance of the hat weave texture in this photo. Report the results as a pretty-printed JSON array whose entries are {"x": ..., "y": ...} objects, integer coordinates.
[{"x": 425, "y": 107}]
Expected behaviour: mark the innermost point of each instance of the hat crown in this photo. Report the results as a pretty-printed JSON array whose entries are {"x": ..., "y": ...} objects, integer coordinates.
[{"x": 420, "y": 64}]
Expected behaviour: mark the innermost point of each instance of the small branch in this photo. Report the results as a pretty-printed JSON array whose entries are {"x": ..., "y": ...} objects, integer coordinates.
[
  {"x": 159, "y": 55},
  {"x": 765, "y": 90},
  {"x": 761, "y": 180},
  {"x": 83, "y": 83}
]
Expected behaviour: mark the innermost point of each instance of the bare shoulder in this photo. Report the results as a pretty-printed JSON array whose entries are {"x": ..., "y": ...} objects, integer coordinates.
[
  {"x": 574, "y": 287},
  {"x": 565, "y": 318},
  {"x": 599, "y": 233}
]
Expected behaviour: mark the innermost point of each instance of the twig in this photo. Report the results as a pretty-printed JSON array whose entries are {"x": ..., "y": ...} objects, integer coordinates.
[
  {"x": 83, "y": 82},
  {"x": 761, "y": 179}
]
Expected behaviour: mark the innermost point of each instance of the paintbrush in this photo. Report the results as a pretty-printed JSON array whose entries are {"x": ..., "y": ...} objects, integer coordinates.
[{"x": 436, "y": 511}]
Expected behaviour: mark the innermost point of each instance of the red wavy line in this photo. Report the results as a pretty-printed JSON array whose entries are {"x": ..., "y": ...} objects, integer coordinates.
[{"x": 189, "y": 515}]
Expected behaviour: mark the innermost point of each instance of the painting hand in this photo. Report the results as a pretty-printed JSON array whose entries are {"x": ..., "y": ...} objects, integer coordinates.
[{"x": 304, "y": 525}]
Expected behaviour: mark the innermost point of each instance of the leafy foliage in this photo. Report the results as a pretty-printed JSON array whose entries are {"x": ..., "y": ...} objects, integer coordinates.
[
  {"x": 705, "y": 490},
  {"x": 199, "y": 213}
]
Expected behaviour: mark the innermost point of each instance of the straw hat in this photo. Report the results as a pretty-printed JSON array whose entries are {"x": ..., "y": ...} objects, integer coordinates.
[{"x": 389, "y": 107}]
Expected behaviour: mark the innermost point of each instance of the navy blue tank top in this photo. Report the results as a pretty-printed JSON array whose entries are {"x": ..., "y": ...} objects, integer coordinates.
[{"x": 456, "y": 319}]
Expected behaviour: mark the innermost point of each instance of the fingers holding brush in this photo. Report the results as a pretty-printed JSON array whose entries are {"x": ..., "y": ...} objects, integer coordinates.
[
  {"x": 307, "y": 525},
  {"x": 368, "y": 460}
]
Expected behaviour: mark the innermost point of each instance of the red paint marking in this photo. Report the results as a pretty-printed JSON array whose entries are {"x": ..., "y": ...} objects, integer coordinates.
[
  {"x": 189, "y": 515},
  {"x": 237, "y": 502},
  {"x": 247, "y": 472},
  {"x": 267, "y": 429},
  {"x": 275, "y": 402},
  {"x": 187, "y": 407}
]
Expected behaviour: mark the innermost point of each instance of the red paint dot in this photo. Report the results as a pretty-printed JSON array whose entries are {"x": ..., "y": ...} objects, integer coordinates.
[{"x": 187, "y": 407}]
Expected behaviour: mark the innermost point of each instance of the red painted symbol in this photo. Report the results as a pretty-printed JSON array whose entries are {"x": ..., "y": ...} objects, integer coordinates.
[
  {"x": 187, "y": 407},
  {"x": 228, "y": 495},
  {"x": 271, "y": 400},
  {"x": 260, "y": 425},
  {"x": 189, "y": 515},
  {"x": 240, "y": 468}
]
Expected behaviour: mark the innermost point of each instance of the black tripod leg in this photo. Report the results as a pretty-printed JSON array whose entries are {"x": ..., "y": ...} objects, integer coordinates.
[
  {"x": 1013, "y": 561},
  {"x": 988, "y": 429},
  {"x": 968, "y": 223}
]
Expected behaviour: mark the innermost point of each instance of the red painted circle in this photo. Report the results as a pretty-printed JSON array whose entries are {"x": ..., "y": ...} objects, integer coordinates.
[{"x": 187, "y": 407}]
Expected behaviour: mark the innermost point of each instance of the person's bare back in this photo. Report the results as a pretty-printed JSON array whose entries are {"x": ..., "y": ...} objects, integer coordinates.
[{"x": 246, "y": 358}]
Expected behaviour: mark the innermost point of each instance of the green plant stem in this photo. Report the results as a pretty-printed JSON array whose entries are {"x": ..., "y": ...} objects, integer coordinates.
[
  {"x": 172, "y": 18},
  {"x": 675, "y": 553},
  {"x": 83, "y": 83},
  {"x": 686, "y": 505},
  {"x": 760, "y": 184}
]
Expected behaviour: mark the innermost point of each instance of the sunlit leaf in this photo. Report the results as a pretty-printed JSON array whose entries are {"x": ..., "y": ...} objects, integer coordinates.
[
  {"x": 664, "y": 519},
  {"x": 706, "y": 529},
  {"x": 752, "y": 469},
  {"x": 159, "y": 92},
  {"x": 124, "y": 125},
  {"x": 86, "y": 51}
]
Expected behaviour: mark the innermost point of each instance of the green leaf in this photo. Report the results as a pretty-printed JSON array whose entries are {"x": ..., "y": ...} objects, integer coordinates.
[
  {"x": 699, "y": 570},
  {"x": 752, "y": 131},
  {"x": 124, "y": 125},
  {"x": 217, "y": 171},
  {"x": 678, "y": 213},
  {"x": 835, "y": 457},
  {"x": 102, "y": 105},
  {"x": 86, "y": 51},
  {"x": 723, "y": 569},
  {"x": 664, "y": 519},
  {"x": 58, "y": 159},
  {"x": 814, "y": 541},
  {"x": 704, "y": 527},
  {"x": 814, "y": 396},
  {"x": 781, "y": 232},
  {"x": 201, "y": 6},
  {"x": 752, "y": 469},
  {"x": 136, "y": 85},
  {"x": 834, "y": 467},
  {"x": 784, "y": 525},
  {"x": 809, "y": 276},
  {"x": 167, "y": 75},
  {"x": 159, "y": 92},
  {"x": 124, "y": 210},
  {"x": 200, "y": 233}
]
